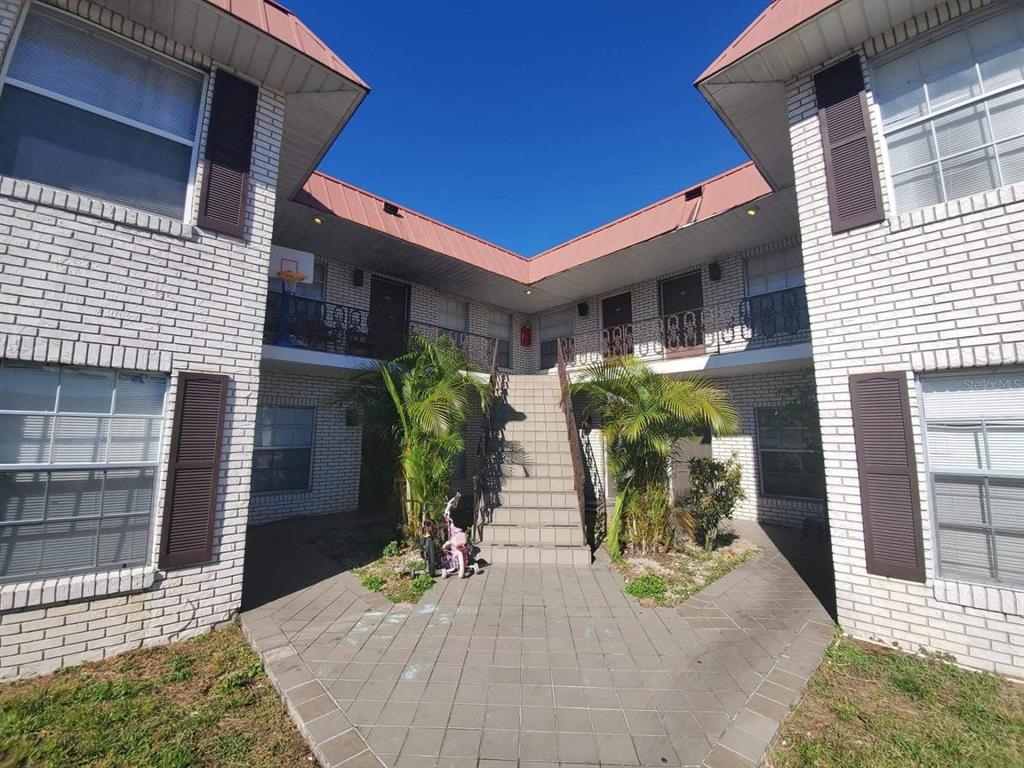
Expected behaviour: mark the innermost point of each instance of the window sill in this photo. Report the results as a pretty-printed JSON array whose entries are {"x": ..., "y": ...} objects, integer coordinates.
[
  {"x": 286, "y": 492},
  {"x": 985, "y": 597},
  {"x": 51, "y": 197},
  {"x": 994, "y": 198},
  {"x": 82, "y": 586}
]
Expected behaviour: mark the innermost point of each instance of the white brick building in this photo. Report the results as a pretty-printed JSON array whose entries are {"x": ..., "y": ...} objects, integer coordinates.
[
  {"x": 779, "y": 279},
  {"x": 931, "y": 285}
]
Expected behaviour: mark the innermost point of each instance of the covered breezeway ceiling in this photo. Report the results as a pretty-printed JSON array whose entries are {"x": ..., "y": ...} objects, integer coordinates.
[{"x": 502, "y": 277}]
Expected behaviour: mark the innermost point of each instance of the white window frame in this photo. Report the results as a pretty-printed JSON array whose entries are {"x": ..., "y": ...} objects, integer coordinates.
[
  {"x": 958, "y": 25},
  {"x": 109, "y": 36},
  {"x": 930, "y": 473},
  {"x": 311, "y": 447},
  {"x": 758, "y": 449},
  {"x": 156, "y": 464}
]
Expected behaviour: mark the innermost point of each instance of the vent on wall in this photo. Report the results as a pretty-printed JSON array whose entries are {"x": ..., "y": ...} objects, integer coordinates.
[
  {"x": 693, "y": 194},
  {"x": 391, "y": 209}
]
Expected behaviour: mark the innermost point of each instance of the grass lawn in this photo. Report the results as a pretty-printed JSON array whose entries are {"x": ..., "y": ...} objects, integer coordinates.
[
  {"x": 673, "y": 577},
  {"x": 203, "y": 702},
  {"x": 868, "y": 707}
]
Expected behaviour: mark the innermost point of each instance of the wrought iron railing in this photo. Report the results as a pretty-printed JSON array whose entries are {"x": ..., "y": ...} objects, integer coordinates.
[
  {"x": 327, "y": 327},
  {"x": 483, "y": 452},
  {"x": 573, "y": 435},
  {"x": 754, "y": 322}
]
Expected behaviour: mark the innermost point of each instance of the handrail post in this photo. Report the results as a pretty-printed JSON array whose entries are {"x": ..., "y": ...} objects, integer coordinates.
[
  {"x": 483, "y": 449},
  {"x": 574, "y": 438}
]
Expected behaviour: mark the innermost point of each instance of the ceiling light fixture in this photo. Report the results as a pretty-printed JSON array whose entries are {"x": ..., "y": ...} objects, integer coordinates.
[
  {"x": 752, "y": 210},
  {"x": 317, "y": 220},
  {"x": 527, "y": 291}
]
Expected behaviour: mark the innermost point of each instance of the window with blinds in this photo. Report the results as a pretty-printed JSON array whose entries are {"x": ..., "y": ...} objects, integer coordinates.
[
  {"x": 974, "y": 434},
  {"x": 554, "y": 326},
  {"x": 789, "y": 454},
  {"x": 777, "y": 301},
  {"x": 283, "y": 455},
  {"x": 499, "y": 326},
  {"x": 452, "y": 314},
  {"x": 952, "y": 110},
  {"x": 84, "y": 110},
  {"x": 79, "y": 453}
]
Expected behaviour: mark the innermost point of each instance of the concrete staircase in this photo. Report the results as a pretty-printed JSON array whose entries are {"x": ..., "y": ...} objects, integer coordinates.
[{"x": 533, "y": 515}]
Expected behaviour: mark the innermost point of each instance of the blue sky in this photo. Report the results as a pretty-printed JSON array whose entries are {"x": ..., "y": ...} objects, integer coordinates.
[{"x": 527, "y": 123}]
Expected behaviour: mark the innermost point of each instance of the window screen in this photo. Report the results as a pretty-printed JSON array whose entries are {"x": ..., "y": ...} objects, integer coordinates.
[
  {"x": 452, "y": 314},
  {"x": 777, "y": 303},
  {"x": 789, "y": 454},
  {"x": 557, "y": 325},
  {"x": 83, "y": 110},
  {"x": 283, "y": 449},
  {"x": 953, "y": 111},
  {"x": 974, "y": 433},
  {"x": 499, "y": 326},
  {"x": 79, "y": 451}
]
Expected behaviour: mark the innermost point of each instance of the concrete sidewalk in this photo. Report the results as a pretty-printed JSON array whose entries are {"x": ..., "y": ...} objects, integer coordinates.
[{"x": 541, "y": 666}]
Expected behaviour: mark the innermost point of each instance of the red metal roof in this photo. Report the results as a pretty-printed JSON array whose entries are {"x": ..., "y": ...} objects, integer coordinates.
[
  {"x": 778, "y": 18},
  {"x": 280, "y": 23},
  {"x": 719, "y": 194},
  {"x": 348, "y": 202}
]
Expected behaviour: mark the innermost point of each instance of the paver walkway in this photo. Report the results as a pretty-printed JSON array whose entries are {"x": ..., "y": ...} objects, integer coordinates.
[{"x": 537, "y": 666}]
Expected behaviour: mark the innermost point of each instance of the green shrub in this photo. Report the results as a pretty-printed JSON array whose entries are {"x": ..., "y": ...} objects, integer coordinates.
[
  {"x": 391, "y": 550},
  {"x": 715, "y": 487},
  {"x": 650, "y": 586},
  {"x": 373, "y": 582},
  {"x": 421, "y": 584}
]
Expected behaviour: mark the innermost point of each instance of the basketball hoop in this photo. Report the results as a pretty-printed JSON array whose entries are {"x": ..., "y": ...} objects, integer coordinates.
[
  {"x": 289, "y": 274},
  {"x": 290, "y": 278}
]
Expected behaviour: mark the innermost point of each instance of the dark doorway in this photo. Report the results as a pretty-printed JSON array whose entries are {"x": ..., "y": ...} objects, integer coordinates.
[
  {"x": 377, "y": 490},
  {"x": 389, "y": 318},
  {"x": 617, "y": 323},
  {"x": 682, "y": 302}
]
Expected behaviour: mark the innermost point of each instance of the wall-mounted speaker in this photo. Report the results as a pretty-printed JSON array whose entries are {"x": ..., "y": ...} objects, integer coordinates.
[
  {"x": 583, "y": 309},
  {"x": 357, "y": 278},
  {"x": 715, "y": 271}
]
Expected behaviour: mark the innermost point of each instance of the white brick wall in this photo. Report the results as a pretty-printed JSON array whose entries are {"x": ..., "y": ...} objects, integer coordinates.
[
  {"x": 940, "y": 288},
  {"x": 93, "y": 284},
  {"x": 337, "y": 450},
  {"x": 746, "y": 393}
]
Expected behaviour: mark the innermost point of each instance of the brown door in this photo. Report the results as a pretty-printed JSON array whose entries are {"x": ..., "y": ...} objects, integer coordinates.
[
  {"x": 682, "y": 301},
  {"x": 389, "y": 318},
  {"x": 617, "y": 322}
]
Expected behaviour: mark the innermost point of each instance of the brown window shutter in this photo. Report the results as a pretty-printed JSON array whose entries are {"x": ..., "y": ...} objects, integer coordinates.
[
  {"x": 193, "y": 470},
  {"x": 890, "y": 504},
  {"x": 851, "y": 168},
  {"x": 228, "y": 155}
]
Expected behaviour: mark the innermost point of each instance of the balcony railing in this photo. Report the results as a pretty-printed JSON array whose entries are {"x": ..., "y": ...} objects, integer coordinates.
[
  {"x": 755, "y": 322},
  {"x": 326, "y": 327}
]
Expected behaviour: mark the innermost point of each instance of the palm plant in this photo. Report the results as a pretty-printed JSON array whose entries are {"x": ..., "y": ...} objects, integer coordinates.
[
  {"x": 418, "y": 403},
  {"x": 644, "y": 413}
]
